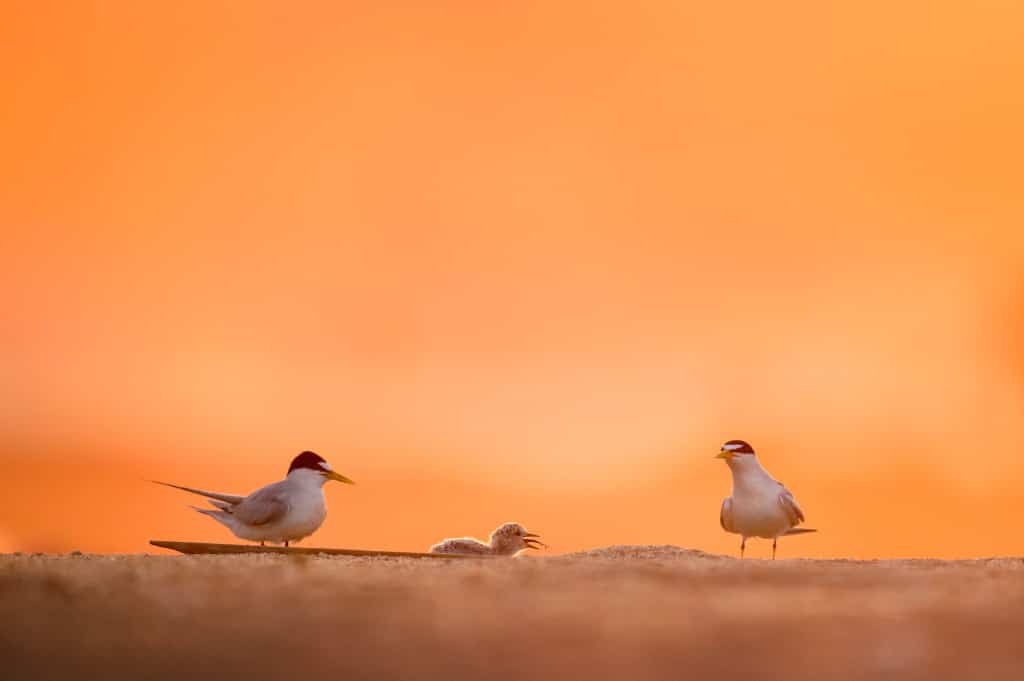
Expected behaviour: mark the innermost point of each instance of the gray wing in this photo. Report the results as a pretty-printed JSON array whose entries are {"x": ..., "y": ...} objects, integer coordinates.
[
  {"x": 227, "y": 498},
  {"x": 725, "y": 515},
  {"x": 789, "y": 505},
  {"x": 262, "y": 506}
]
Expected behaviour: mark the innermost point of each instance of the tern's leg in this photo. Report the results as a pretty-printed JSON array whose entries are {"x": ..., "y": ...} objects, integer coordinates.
[
  {"x": 286, "y": 544},
  {"x": 261, "y": 543},
  {"x": 774, "y": 542},
  {"x": 743, "y": 546}
]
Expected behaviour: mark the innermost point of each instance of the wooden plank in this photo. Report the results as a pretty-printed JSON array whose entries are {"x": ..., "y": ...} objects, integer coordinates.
[{"x": 203, "y": 548}]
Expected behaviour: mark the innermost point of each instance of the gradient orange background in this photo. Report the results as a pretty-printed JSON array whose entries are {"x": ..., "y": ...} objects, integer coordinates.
[{"x": 514, "y": 261}]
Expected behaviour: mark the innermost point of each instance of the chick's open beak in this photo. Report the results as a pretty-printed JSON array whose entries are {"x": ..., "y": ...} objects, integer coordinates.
[
  {"x": 532, "y": 541},
  {"x": 331, "y": 475}
]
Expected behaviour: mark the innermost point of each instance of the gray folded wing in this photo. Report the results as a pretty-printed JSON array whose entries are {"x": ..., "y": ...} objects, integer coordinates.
[
  {"x": 725, "y": 515},
  {"x": 792, "y": 509},
  {"x": 261, "y": 507}
]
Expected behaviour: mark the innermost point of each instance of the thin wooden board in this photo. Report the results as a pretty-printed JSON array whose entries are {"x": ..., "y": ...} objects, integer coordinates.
[{"x": 203, "y": 548}]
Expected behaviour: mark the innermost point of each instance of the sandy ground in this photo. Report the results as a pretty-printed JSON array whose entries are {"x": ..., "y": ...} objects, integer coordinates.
[{"x": 619, "y": 612}]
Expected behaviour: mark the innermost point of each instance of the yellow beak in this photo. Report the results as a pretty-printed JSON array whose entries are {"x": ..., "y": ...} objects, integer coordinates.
[
  {"x": 331, "y": 475},
  {"x": 724, "y": 454}
]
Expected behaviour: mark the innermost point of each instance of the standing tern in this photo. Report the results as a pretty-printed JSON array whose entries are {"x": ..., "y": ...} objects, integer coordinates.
[
  {"x": 760, "y": 505},
  {"x": 282, "y": 512},
  {"x": 508, "y": 539}
]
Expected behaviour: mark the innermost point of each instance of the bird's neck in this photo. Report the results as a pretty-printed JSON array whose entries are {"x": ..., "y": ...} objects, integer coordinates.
[
  {"x": 499, "y": 545},
  {"x": 749, "y": 476}
]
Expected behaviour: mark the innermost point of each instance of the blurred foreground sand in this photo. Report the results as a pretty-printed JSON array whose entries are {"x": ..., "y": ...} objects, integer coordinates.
[{"x": 620, "y": 612}]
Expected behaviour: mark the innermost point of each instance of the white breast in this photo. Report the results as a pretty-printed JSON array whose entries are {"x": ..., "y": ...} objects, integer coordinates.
[{"x": 756, "y": 511}]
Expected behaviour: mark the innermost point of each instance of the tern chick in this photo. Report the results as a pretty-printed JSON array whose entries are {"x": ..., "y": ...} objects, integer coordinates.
[
  {"x": 283, "y": 511},
  {"x": 507, "y": 540},
  {"x": 760, "y": 505}
]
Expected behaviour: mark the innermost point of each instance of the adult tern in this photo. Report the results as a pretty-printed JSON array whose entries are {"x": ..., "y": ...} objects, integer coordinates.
[
  {"x": 760, "y": 505},
  {"x": 282, "y": 512}
]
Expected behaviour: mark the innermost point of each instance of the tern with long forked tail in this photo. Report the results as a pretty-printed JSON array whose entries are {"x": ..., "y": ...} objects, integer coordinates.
[
  {"x": 280, "y": 513},
  {"x": 760, "y": 505}
]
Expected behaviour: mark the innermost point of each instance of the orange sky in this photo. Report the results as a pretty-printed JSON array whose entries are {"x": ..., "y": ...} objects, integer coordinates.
[{"x": 514, "y": 262}]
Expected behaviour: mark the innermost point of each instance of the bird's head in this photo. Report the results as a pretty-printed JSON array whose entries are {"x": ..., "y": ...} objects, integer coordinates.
[
  {"x": 737, "y": 453},
  {"x": 309, "y": 463},
  {"x": 512, "y": 537}
]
